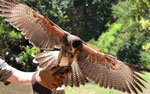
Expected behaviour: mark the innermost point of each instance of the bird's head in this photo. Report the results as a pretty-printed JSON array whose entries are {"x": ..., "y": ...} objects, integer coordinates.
[{"x": 75, "y": 42}]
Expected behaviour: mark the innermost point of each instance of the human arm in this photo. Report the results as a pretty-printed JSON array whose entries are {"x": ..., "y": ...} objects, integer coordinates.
[
  {"x": 10, "y": 74},
  {"x": 37, "y": 80},
  {"x": 19, "y": 77},
  {"x": 41, "y": 77}
]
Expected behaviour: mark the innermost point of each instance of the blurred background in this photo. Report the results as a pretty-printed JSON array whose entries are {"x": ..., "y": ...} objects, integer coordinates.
[{"x": 117, "y": 27}]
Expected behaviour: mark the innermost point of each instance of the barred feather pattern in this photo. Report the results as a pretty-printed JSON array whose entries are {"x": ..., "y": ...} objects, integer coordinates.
[
  {"x": 40, "y": 31},
  {"x": 107, "y": 71},
  {"x": 48, "y": 60},
  {"x": 76, "y": 78}
]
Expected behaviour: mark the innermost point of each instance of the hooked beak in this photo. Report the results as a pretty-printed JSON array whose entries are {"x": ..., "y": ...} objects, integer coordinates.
[{"x": 73, "y": 49}]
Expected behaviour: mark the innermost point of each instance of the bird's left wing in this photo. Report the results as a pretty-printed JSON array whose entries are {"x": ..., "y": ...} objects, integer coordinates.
[
  {"x": 40, "y": 31},
  {"x": 48, "y": 60},
  {"x": 107, "y": 71}
]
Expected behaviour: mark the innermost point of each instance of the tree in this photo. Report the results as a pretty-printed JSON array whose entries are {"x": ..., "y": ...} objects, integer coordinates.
[{"x": 128, "y": 37}]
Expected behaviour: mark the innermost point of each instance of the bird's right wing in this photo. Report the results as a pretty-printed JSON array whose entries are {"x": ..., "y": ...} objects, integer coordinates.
[
  {"x": 40, "y": 31},
  {"x": 48, "y": 60},
  {"x": 107, "y": 71}
]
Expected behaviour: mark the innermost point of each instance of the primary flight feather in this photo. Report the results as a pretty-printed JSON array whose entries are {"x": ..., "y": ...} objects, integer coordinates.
[{"x": 85, "y": 60}]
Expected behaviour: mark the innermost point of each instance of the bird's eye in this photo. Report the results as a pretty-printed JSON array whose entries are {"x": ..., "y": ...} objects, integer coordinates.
[{"x": 76, "y": 44}]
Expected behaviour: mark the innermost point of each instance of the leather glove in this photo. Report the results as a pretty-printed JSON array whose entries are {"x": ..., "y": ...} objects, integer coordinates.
[{"x": 53, "y": 78}]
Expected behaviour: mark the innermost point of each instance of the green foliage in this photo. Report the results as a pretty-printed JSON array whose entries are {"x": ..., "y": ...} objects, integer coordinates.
[
  {"x": 88, "y": 18},
  {"x": 107, "y": 39},
  {"x": 128, "y": 37},
  {"x": 11, "y": 48},
  {"x": 26, "y": 58},
  {"x": 145, "y": 59}
]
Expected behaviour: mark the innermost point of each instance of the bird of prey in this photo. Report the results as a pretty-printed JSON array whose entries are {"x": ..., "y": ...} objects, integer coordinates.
[{"x": 85, "y": 60}]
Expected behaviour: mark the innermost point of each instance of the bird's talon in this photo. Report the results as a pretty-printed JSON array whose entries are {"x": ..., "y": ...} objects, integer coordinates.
[{"x": 62, "y": 70}]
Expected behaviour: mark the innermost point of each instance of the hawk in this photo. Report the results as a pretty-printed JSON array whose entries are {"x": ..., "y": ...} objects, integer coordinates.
[{"x": 85, "y": 60}]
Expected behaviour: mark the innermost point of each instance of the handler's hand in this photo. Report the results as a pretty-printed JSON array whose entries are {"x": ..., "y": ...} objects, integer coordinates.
[{"x": 50, "y": 81}]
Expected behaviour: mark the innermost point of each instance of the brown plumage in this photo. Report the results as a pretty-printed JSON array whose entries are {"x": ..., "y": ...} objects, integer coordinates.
[{"x": 85, "y": 60}]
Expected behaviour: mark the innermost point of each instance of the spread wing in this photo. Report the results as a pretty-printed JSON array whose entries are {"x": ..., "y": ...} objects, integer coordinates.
[
  {"x": 48, "y": 60},
  {"x": 76, "y": 78},
  {"x": 107, "y": 71},
  {"x": 40, "y": 31}
]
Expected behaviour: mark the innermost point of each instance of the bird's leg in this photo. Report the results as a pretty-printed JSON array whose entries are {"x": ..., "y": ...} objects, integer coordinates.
[
  {"x": 64, "y": 69},
  {"x": 64, "y": 62},
  {"x": 60, "y": 56},
  {"x": 70, "y": 60}
]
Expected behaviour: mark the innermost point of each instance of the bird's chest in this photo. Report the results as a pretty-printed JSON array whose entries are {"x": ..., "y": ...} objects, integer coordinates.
[{"x": 64, "y": 61}]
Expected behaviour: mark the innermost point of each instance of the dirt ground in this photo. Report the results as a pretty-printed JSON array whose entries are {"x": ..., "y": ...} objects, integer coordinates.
[
  {"x": 15, "y": 89},
  {"x": 20, "y": 89}
]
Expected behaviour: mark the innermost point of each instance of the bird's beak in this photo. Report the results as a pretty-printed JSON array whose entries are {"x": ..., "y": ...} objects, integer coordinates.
[{"x": 73, "y": 49}]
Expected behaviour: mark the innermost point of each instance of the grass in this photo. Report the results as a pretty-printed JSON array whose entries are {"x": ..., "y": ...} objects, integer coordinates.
[{"x": 91, "y": 88}]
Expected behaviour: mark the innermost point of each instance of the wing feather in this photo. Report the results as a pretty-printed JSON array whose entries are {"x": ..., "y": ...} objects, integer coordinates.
[
  {"x": 48, "y": 60},
  {"x": 66, "y": 81},
  {"x": 70, "y": 80},
  {"x": 107, "y": 71},
  {"x": 105, "y": 83},
  {"x": 75, "y": 77},
  {"x": 40, "y": 31}
]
